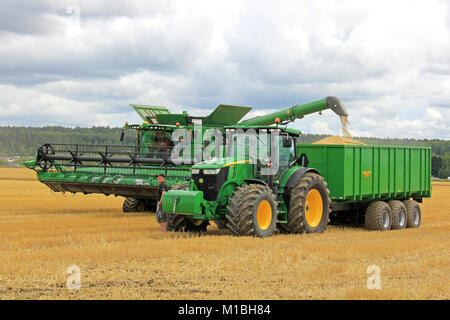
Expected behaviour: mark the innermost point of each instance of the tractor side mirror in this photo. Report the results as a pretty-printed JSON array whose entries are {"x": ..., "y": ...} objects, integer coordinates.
[
  {"x": 287, "y": 142},
  {"x": 303, "y": 160},
  {"x": 122, "y": 135}
]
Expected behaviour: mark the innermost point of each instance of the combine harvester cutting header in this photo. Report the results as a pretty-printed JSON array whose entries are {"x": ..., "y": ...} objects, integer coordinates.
[{"x": 131, "y": 171}]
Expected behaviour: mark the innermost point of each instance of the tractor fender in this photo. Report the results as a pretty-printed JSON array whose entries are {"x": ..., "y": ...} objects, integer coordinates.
[
  {"x": 292, "y": 182},
  {"x": 226, "y": 191},
  {"x": 256, "y": 181}
]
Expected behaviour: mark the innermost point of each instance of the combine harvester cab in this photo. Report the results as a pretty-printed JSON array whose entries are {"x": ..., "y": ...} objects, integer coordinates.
[{"x": 131, "y": 171}]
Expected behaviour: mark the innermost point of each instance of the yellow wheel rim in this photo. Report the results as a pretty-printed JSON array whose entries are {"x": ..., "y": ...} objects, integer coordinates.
[
  {"x": 196, "y": 222},
  {"x": 313, "y": 208},
  {"x": 264, "y": 214}
]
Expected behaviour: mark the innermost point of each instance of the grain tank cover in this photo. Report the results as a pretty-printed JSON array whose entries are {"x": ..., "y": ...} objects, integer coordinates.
[
  {"x": 172, "y": 119},
  {"x": 149, "y": 113},
  {"x": 226, "y": 115}
]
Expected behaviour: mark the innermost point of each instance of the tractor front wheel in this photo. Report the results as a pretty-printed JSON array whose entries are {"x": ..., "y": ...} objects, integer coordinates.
[
  {"x": 221, "y": 224},
  {"x": 309, "y": 207},
  {"x": 252, "y": 211},
  {"x": 180, "y": 223}
]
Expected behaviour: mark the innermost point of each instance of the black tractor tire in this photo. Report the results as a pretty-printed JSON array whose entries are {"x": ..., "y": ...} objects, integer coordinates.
[
  {"x": 283, "y": 228},
  {"x": 378, "y": 216},
  {"x": 413, "y": 214},
  {"x": 133, "y": 205},
  {"x": 309, "y": 208},
  {"x": 252, "y": 211},
  {"x": 398, "y": 213},
  {"x": 221, "y": 224},
  {"x": 180, "y": 223}
]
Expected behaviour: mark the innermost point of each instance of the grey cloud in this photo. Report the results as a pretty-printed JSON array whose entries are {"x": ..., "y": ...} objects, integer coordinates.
[{"x": 197, "y": 55}]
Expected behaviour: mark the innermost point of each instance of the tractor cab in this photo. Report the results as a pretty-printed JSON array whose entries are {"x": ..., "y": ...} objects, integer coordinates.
[{"x": 271, "y": 150}]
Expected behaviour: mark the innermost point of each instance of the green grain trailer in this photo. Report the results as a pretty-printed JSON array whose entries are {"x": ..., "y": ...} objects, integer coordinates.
[{"x": 360, "y": 175}]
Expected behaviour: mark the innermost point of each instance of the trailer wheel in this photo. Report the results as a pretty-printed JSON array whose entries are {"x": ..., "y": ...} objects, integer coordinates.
[
  {"x": 252, "y": 211},
  {"x": 413, "y": 214},
  {"x": 378, "y": 216},
  {"x": 310, "y": 205},
  {"x": 133, "y": 205},
  {"x": 398, "y": 214}
]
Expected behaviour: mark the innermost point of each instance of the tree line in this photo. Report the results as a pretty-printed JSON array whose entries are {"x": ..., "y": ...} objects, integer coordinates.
[{"x": 23, "y": 141}]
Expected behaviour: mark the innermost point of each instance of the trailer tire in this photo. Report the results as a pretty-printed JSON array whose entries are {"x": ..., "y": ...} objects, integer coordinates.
[
  {"x": 133, "y": 205},
  {"x": 398, "y": 214},
  {"x": 378, "y": 216},
  {"x": 413, "y": 214},
  {"x": 309, "y": 205},
  {"x": 252, "y": 211}
]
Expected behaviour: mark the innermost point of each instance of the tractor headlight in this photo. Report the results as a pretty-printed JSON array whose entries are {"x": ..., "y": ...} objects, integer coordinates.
[
  {"x": 211, "y": 171},
  {"x": 195, "y": 171}
]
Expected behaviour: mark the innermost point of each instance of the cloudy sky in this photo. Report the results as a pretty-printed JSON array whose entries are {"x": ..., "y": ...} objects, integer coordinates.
[{"x": 80, "y": 63}]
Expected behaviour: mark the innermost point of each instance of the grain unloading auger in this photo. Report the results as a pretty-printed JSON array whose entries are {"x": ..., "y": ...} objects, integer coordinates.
[
  {"x": 297, "y": 112},
  {"x": 131, "y": 170}
]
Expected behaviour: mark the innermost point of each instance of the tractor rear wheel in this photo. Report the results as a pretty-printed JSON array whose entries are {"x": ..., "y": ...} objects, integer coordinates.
[
  {"x": 413, "y": 214},
  {"x": 398, "y": 213},
  {"x": 252, "y": 211},
  {"x": 309, "y": 207},
  {"x": 133, "y": 205},
  {"x": 378, "y": 216}
]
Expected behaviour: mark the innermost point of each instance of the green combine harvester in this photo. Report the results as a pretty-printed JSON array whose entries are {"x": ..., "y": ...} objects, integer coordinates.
[{"x": 131, "y": 171}]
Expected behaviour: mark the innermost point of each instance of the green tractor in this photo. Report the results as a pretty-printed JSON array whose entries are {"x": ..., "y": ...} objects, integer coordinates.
[
  {"x": 245, "y": 196},
  {"x": 252, "y": 195}
]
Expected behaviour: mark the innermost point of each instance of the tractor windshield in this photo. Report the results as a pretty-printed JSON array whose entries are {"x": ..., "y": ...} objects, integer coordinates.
[{"x": 286, "y": 156}]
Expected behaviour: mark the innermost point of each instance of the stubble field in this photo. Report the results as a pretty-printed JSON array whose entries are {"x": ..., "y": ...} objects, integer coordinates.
[{"x": 123, "y": 256}]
